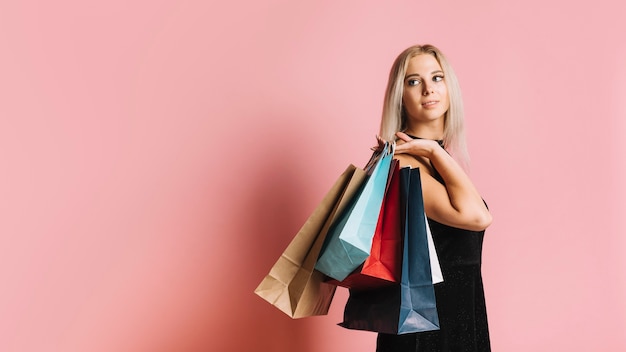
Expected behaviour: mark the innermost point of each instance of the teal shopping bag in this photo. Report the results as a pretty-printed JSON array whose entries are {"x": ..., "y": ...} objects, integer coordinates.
[{"x": 349, "y": 239}]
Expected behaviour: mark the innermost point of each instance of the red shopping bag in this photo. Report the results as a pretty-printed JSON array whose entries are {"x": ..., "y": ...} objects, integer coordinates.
[{"x": 383, "y": 266}]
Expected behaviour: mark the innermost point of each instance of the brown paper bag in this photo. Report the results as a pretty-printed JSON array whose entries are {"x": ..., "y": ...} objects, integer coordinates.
[{"x": 292, "y": 285}]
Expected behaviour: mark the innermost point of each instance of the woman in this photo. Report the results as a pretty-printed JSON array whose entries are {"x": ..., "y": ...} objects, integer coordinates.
[{"x": 424, "y": 112}]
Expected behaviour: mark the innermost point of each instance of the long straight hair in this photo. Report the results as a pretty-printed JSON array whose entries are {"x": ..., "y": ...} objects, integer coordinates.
[{"x": 394, "y": 118}]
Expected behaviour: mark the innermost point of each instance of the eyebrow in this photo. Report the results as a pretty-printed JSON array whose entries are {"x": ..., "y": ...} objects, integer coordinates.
[{"x": 417, "y": 74}]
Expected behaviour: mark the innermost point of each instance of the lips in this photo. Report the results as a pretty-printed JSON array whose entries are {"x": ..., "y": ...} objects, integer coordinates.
[{"x": 430, "y": 103}]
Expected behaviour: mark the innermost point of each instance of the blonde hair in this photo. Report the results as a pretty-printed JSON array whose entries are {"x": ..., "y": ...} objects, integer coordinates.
[{"x": 393, "y": 117}]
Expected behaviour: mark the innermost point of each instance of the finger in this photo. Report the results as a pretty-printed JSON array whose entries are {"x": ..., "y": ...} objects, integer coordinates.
[
  {"x": 404, "y": 136},
  {"x": 400, "y": 149}
]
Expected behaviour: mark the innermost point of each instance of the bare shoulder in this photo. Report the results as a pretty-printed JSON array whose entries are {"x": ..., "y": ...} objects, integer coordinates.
[{"x": 414, "y": 162}]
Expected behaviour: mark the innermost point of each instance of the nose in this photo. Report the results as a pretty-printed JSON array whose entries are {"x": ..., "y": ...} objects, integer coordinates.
[{"x": 428, "y": 89}]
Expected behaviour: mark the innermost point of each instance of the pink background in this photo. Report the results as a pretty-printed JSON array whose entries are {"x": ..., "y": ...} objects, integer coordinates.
[{"x": 157, "y": 157}]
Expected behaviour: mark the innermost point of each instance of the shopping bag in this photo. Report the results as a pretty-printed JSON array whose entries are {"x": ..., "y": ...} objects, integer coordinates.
[
  {"x": 383, "y": 266},
  {"x": 292, "y": 285},
  {"x": 435, "y": 268},
  {"x": 409, "y": 306},
  {"x": 349, "y": 240}
]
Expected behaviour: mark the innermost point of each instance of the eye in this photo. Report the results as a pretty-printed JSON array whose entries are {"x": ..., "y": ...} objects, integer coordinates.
[
  {"x": 438, "y": 78},
  {"x": 413, "y": 82}
]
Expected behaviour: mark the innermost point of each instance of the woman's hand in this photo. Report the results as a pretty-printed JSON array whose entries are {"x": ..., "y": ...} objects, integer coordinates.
[{"x": 416, "y": 147}]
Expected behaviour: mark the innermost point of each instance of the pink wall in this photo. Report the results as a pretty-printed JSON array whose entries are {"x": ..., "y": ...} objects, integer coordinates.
[{"x": 157, "y": 157}]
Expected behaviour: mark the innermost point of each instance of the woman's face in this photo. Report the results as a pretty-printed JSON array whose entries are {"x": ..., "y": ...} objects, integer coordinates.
[{"x": 425, "y": 97}]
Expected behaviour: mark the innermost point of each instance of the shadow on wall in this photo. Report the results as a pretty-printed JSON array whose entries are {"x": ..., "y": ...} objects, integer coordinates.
[
  {"x": 271, "y": 214},
  {"x": 261, "y": 201}
]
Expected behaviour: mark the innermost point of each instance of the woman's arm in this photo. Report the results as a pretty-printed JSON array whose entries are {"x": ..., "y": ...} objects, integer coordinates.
[{"x": 458, "y": 203}]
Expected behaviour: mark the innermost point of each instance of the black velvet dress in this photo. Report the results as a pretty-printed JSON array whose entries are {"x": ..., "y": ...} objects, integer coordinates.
[{"x": 460, "y": 298}]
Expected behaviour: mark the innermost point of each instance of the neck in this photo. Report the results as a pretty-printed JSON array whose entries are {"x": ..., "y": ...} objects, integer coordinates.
[{"x": 428, "y": 131}]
